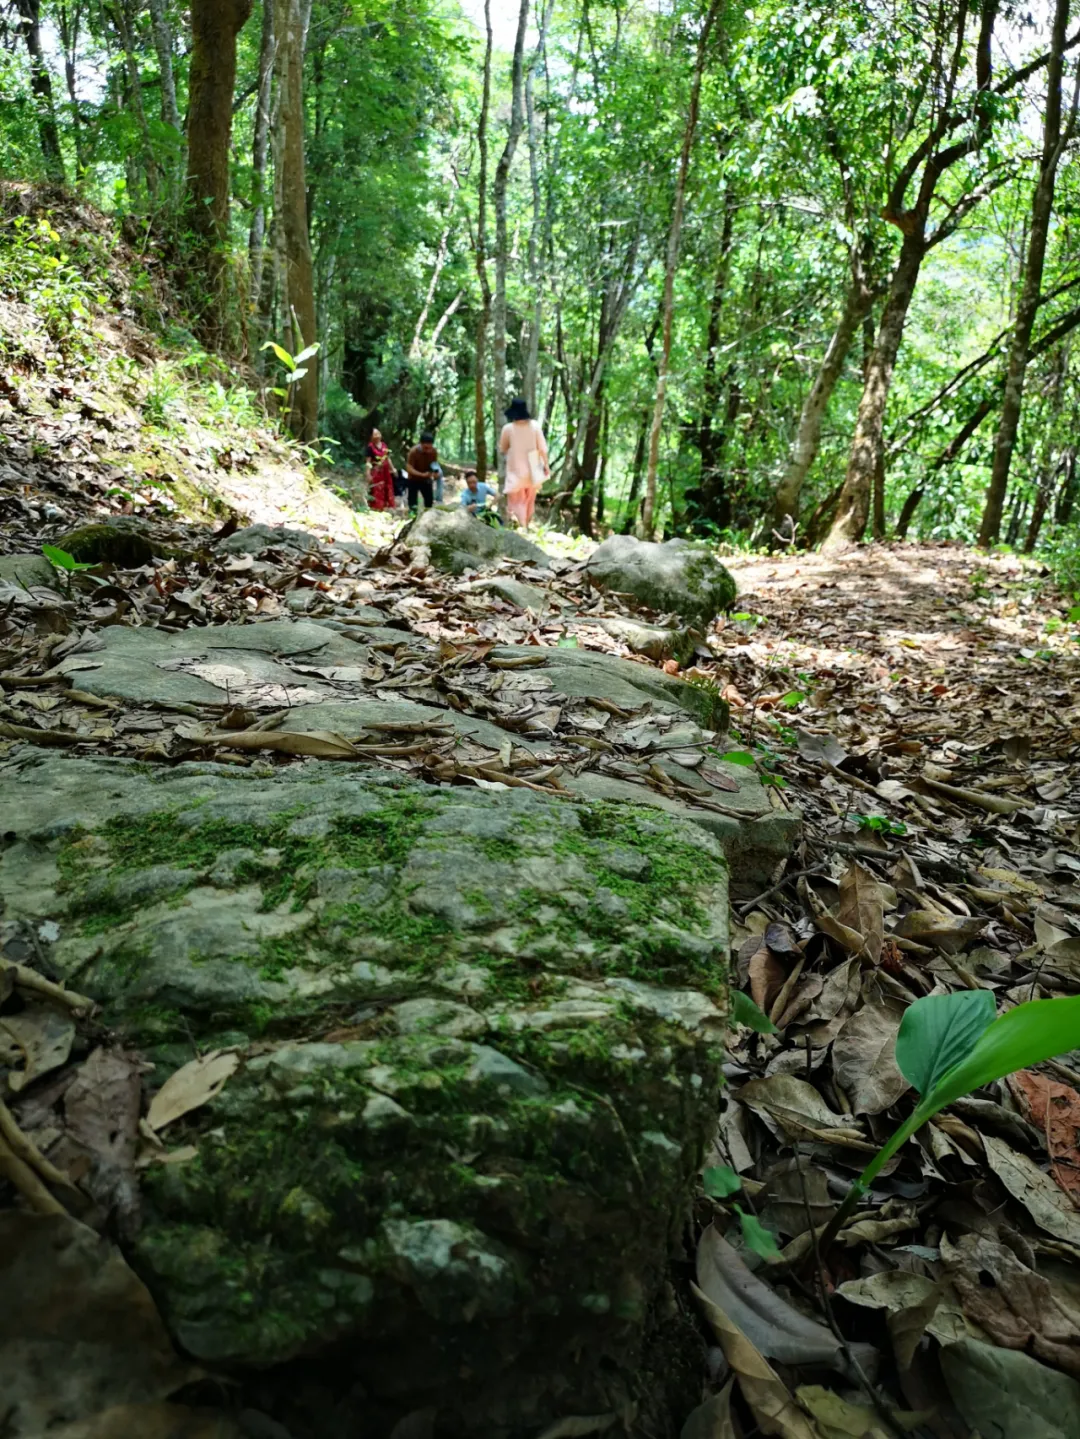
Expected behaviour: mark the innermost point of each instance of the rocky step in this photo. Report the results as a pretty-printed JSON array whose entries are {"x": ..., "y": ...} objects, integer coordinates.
[{"x": 479, "y": 1040}]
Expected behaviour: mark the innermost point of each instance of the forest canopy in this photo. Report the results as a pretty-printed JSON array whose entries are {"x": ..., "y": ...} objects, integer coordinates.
[{"x": 777, "y": 272}]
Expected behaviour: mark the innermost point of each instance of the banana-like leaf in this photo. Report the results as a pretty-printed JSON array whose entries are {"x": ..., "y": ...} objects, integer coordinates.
[
  {"x": 938, "y": 1032},
  {"x": 283, "y": 355},
  {"x": 306, "y": 353},
  {"x": 1024, "y": 1036}
]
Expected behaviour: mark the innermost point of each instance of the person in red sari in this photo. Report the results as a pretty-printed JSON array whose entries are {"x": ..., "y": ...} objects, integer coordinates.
[{"x": 381, "y": 473}]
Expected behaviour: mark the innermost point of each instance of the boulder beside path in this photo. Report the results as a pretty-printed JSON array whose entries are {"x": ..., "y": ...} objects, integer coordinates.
[
  {"x": 676, "y": 577},
  {"x": 478, "y": 1040}
]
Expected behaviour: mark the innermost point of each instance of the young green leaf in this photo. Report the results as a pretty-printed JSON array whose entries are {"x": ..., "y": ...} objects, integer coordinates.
[
  {"x": 283, "y": 355},
  {"x": 721, "y": 1182},
  {"x": 306, "y": 353},
  {"x": 756, "y": 1237},
  {"x": 939, "y": 1031},
  {"x": 745, "y": 1011},
  {"x": 738, "y": 756},
  {"x": 61, "y": 559},
  {"x": 1024, "y": 1036}
]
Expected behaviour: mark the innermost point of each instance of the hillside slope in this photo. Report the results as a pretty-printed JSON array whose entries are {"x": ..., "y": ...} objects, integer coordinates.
[{"x": 108, "y": 404}]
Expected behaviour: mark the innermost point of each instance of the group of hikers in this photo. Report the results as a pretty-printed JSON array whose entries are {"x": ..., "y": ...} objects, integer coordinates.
[{"x": 521, "y": 441}]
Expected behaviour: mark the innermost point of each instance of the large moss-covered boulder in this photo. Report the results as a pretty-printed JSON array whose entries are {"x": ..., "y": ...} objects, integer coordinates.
[
  {"x": 479, "y": 1040},
  {"x": 676, "y": 577},
  {"x": 456, "y": 541}
]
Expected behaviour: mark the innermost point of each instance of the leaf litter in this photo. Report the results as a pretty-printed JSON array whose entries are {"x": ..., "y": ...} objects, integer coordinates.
[{"x": 927, "y": 735}]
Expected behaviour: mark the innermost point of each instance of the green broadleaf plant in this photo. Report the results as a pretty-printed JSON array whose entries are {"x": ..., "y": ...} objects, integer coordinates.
[
  {"x": 62, "y": 560},
  {"x": 950, "y": 1045}
]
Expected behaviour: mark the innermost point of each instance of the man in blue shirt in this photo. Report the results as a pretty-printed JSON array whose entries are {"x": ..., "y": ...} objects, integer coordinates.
[{"x": 475, "y": 495}]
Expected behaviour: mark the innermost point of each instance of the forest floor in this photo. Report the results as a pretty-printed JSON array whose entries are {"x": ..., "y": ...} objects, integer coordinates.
[{"x": 918, "y": 705}]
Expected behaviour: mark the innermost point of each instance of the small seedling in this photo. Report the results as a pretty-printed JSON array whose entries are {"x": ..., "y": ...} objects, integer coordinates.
[
  {"x": 745, "y": 1011},
  {"x": 62, "y": 560},
  {"x": 950, "y": 1045},
  {"x": 879, "y": 824},
  {"x": 721, "y": 1182}
]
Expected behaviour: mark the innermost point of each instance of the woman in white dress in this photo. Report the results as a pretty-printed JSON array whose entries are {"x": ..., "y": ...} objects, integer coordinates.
[{"x": 522, "y": 442}]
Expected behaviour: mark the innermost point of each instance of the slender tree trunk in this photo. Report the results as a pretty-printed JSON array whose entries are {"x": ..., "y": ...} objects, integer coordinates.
[
  {"x": 709, "y": 441},
  {"x": 163, "y": 45},
  {"x": 540, "y": 228},
  {"x": 484, "y": 321},
  {"x": 124, "y": 14},
  {"x": 1066, "y": 498},
  {"x": 636, "y": 473},
  {"x": 804, "y": 450},
  {"x": 29, "y": 13},
  {"x": 1042, "y": 204},
  {"x": 674, "y": 236},
  {"x": 433, "y": 283},
  {"x": 853, "y": 509},
  {"x": 68, "y": 23},
  {"x": 1052, "y": 458},
  {"x": 260, "y": 154},
  {"x": 946, "y": 457},
  {"x": 502, "y": 178},
  {"x": 590, "y": 464},
  {"x": 290, "y": 27},
  {"x": 215, "y": 24}
]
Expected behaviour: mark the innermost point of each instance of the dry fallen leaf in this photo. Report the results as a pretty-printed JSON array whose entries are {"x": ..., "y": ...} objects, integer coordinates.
[
  {"x": 1054, "y": 1109},
  {"x": 192, "y": 1086},
  {"x": 863, "y": 1057},
  {"x": 773, "y": 1406},
  {"x": 862, "y": 909},
  {"x": 1045, "y": 1201}
]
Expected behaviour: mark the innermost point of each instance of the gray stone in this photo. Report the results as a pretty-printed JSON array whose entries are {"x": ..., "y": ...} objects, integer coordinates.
[
  {"x": 27, "y": 571},
  {"x": 517, "y": 592},
  {"x": 676, "y": 577},
  {"x": 592, "y": 675},
  {"x": 255, "y": 538},
  {"x": 656, "y": 642},
  {"x": 455, "y": 541},
  {"x": 221, "y": 664},
  {"x": 756, "y": 838},
  {"x": 349, "y": 717},
  {"x": 446, "y": 1201}
]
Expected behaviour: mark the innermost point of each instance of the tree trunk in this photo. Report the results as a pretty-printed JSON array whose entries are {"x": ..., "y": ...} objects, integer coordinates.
[
  {"x": 1066, "y": 498},
  {"x": 808, "y": 435},
  {"x": 502, "y": 178},
  {"x": 1042, "y": 204},
  {"x": 853, "y": 509},
  {"x": 290, "y": 203},
  {"x": 29, "y": 13},
  {"x": 215, "y": 24},
  {"x": 260, "y": 154},
  {"x": 674, "y": 236},
  {"x": 540, "y": 228},
  {"x": 433, "y": 283},
  {"x": 163, "y": 45},
  {"x": 947, "y": 455},
  {"x": 124, "y": 15},
  {"x": 636, "y": 473},
  {"x": 484, "y": 321},
  {"x": 709, "y": 442},
  {"x": 590, "y": 464},
  {"x": 68, "y": 22}
]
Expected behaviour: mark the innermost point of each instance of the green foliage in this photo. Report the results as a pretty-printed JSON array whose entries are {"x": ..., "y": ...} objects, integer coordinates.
[
  {"x": 745, "y": 1011},
  {"x": 950, "y": 1045}
]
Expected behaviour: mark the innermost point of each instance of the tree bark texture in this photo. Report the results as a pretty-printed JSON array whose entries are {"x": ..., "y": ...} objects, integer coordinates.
[
  {"x": 163, "y": 46},
  {"x": 298, "y": 281},
  {"x": 648, "y": 515},
  {"x": 807, "y": 441},
  {"x": 215, "y": 24},
  {"x": 29, "y": 13},
  {"x": 710, "y": 441},
  {"x": 502, "y": 178},
  {"x": 484, "y": 319},
  {"x": 260, "y": 154},
  {"x": 853, "y": 509},
  {"x": 1042, "y": 204}
]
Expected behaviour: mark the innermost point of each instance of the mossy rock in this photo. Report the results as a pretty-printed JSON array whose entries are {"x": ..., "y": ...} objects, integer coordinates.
[
  {"x": 677, "y": 577},
  {"x": 480, "y": 1038},
  {"x": 118, "y": 545}
]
